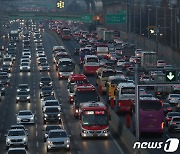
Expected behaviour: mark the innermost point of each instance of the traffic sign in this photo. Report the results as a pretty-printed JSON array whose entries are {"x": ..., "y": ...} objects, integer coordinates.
[
  {"x": 115, "y": 18},
  {"x": 170, "y": 76},
  {"x": 87, "y": 18},
  {"x": 122, "y": 12}
]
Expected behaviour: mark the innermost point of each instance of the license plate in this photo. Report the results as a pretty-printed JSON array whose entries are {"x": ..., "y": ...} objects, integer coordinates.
[
  {"x": 95, "y": 134},
  {"x": 25, "y": 120}
]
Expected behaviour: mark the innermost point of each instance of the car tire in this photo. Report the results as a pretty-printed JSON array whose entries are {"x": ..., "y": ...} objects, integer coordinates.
[
  {"x": 44, "y": 122},
  {"x": 48, "y": 149},
  {"x": 7, "y": 147},
  {"x": 44, "y": 139},
  {"x": 16, "y": 102},
  {"x": 26, "y": 147}
]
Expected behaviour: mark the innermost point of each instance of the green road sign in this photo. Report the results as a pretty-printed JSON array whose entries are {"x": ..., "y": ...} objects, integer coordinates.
[
  {"x": 87, "y": 18},
  {"x": 122, "y": 12},
  {"x": 115, "y": 18},
  {"x": 170, "y": 76}
]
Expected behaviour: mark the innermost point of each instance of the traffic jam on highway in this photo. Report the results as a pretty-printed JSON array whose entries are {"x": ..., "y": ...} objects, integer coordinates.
[{"x": 59, "y": 84}]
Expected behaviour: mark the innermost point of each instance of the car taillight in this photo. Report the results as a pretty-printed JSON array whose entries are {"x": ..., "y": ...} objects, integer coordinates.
[
  {"x": 168, "y": 119},
  {"x": 119, "y": 104},
  {"x": 173, "y": 123},
  {"x": 169, "y": 109},
  {"x": 162, "y": 125}
]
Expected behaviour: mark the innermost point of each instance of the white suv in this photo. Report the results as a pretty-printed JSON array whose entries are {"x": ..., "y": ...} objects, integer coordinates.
[{"x": 16, "y": 137}]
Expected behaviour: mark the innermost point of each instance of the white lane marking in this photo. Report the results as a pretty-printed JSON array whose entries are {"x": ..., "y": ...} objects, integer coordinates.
[
  {"x": 37, "y": 144},
  {"x": 79, "y": 152},
  {"x": 0, "y": 134},
  {"x": 36, "y": 126},
  {"x": 119, "y": 148},
  {"x": 36, "y": 133}
]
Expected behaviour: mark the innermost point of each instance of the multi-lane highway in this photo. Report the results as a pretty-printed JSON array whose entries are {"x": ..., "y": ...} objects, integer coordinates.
[{"x": 9, "y": 108}]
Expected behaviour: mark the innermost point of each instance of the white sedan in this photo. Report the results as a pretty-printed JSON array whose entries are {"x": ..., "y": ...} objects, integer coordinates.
[{"x": 25, "y": 116}]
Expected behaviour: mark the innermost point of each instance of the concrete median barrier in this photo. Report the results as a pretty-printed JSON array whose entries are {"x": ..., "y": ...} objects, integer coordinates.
[{"x": 125, "y": 135}]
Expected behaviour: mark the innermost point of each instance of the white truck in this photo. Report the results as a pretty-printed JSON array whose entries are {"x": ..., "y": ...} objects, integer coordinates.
[
  {"x": 148, "y": 59},
  {"x": 161, "y": 91},
  {"x": 108, "y": 36},
  {"x": 100, "y": 32},
  {"x": 14, "y": 35}
]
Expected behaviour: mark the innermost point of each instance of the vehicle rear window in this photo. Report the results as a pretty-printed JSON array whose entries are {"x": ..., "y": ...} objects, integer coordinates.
[
  {"x": 17, "y": 152},
  {"x": 150, "y": 105},
  {"x": 108, "y": 73}
]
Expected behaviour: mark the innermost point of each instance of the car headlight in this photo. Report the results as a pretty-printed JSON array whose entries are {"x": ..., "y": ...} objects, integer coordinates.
[
  {"x": 105, "y": 131},
  {"x": 17, "y": 98},
  {"x": 85, "y": 132},
  {"x": 28, "y": 97},
  {"x": 32, "y": 118},
  {"x": 8, "y": 140},
  {"x": 52, "y": 92},
  {"x": 24, "y": 139},
  {"x": 59, "y": 115},
  {"x": 18, "y": 118},
  {"x": 49, "y": 142},
  {"x": 21, "y": 68},
  {"x": 45, "y": 115},
  {"x": 67, "y": 141},
  {"x": 41, "y": 83},
  {"x": 50, "y": 82}
]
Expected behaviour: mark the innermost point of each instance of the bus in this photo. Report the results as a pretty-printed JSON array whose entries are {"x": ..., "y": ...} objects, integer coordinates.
[
  {"x": 125, "y": 96},
  {"x": 94, "y": 119},
  {"x": 151, "y": 114},
  {"x": 66, "y": 34},
  {"x": 91, "y": 64}
]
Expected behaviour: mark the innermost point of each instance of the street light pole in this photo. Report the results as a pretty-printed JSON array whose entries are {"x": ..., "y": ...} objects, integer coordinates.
[{"x": 137, "y": 103}]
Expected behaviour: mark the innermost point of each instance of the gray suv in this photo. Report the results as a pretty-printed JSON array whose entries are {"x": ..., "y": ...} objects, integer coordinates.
[
  {"x": 16, "y": 137},
  {"x": 58, "y": 139}
]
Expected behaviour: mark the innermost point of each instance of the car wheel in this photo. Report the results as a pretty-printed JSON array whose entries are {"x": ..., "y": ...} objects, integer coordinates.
[
  {"x": 44, "y": 139},
  {"x": 16, "y": 102},
  {"x": 48, "y": 149},
  {"x": 44, "y": 122},
  {"x": 60, "y": 122},
  {"x": 7, "y": 147},
  {"x": 26, "y": 147}
]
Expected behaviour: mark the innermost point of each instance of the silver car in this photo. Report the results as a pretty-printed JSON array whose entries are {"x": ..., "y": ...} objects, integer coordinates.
[
  {"x": 173, "y": 98},
  {"x": 18, "y": 150},
  {"x": 50, "y": 127},
  {"x": 16, "y": 137},
  {"x": 25, "y": 116},
  {"x": 58, "y": 139}
]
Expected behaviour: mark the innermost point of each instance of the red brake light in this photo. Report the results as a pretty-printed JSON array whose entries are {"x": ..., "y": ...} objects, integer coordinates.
[
  {"x": 168, "y": 119},
  {"x": 173, "y": 123},
  {"x": 162, "y": 125},
  {"x": 170, "y": 108},
  {"x": 119, "y": 104}
]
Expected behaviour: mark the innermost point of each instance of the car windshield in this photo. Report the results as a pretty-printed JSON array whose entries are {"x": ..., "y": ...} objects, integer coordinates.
[
  {"x": 51, "y": 103},
  {"x": 52, "y": 110},
  {"x": 45, "y": 79},
  {"x": 23, "y": 93},
  {"x": 57, "y": 134},
  {"x": 3, "y": 77},
  {"x": 48, "y": 128},
  {"x": 17, "y": 151},
  {"x": 171, "y": 114},
  {"x": 24, "y": 64},
  {"x": 176, "y": 119},
  {"x": 175, "y": 96},
  {"x": 150, "y": 105},
  {"x": 16, "y": 133},
  {"x": 66, "y": 66},
  {"x": 25, "y": 113},
  {"x": 94, "y": 60},
  {"x": 128, "y": 90},
  {"x": 108, "y": 73},
  {"x": 49, "y": 98},
  {"x": 23, "y": 86},
  {"x": 46, "y": 88},
  {"x": 44, "y": 64},
  {"x": 83, "y": 96},
  {"x": 92, "y": 118}
]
